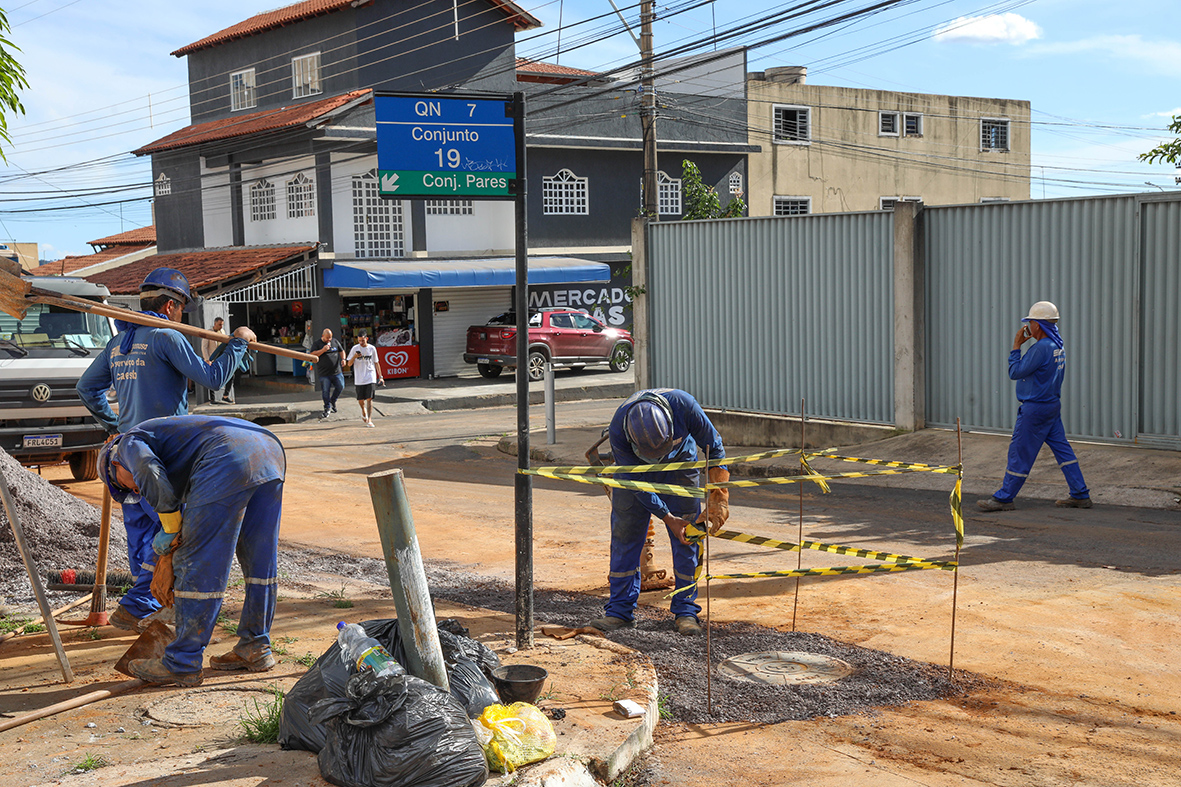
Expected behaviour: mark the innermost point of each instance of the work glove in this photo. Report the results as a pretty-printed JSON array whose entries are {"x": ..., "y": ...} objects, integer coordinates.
[
  {"x": 164, "y": 542},
  {"x": 717, "y": 501}
]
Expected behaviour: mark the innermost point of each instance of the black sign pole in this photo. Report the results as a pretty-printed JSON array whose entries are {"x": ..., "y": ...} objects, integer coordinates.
[{"x": 524, "y": 483}]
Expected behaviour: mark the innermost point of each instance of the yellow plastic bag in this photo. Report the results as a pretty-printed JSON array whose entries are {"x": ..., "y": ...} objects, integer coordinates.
[{"x": 514, "y": 735}]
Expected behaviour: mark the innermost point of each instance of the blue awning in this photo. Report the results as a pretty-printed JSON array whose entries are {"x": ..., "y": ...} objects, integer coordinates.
[{"x": 500, "y": 272}]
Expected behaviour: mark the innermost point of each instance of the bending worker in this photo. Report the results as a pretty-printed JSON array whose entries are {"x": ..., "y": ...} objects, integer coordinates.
[
  {"x": 217, "y": 485},
  {"x": 1039, "y": 376},
  {"x": 149, "y": 369},
  {"x": 656, "y": 427}
]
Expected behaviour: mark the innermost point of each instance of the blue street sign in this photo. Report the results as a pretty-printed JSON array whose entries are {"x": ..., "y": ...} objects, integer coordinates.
[{"x": 445, "y": 147}]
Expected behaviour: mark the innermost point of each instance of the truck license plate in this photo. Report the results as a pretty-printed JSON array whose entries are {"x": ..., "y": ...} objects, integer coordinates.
[
  {"x": 43, "y": 441},
  {"x": 483, "y": 360}
]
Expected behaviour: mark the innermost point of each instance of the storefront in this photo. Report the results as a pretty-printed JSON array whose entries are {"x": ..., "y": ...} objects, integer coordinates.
[{"x": 389, "y": 322}]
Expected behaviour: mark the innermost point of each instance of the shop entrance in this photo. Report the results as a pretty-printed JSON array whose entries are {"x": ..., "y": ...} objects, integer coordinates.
[{"x": 389, "y": 322}]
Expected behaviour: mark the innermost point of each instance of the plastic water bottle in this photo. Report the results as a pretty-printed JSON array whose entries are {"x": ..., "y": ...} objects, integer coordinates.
[{"x": 364, "y": 652}]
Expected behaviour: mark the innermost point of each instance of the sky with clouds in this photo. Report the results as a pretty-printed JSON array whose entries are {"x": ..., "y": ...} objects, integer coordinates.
[{"x": 1102, "y": 78}]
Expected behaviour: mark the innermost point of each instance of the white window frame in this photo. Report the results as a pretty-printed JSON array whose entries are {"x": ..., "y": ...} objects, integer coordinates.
[
  {"x": 262, "y": 200},
  {"x": 242, "y": 94},
  {"x": 780, "y": 199},
  {"x": 735, "y": 183},
  {"x": 163, "y": 185},
  {"x": 998, "y": 122},
  {"x": 305, "y": 76},
  {"x": 888, "y": 124},
  {"x": 378, "y": 230},
  {"x": 888, "y": 203},
  {"x": 565, "y": 194},
  {"x": 668, "y": 194},
  {"x": 918, "y": 119},
  {"x": 806, "y": 139},
  {"x": 301, "y": 196},
  {"x": 449, "y": 207}
]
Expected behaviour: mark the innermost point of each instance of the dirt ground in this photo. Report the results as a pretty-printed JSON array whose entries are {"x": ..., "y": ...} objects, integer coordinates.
[{"x": 1072, "y": 617}]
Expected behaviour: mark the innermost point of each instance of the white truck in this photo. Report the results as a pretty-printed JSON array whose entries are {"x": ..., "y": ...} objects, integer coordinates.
[{"x": 42, "y": 419}]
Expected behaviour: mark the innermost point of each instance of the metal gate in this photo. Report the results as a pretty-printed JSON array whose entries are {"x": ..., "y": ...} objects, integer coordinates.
[{"x": 465, "y": 306}]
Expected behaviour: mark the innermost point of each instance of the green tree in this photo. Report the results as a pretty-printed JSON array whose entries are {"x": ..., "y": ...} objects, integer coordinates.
[
  {"x": 701, "y": 201},
  {"x": 1166, "y": 151},
  {"x": 12, "y": 80}
]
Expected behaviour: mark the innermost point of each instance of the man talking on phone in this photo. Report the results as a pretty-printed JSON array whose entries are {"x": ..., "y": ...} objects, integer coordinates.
[{"x": 1039, "y": 376}]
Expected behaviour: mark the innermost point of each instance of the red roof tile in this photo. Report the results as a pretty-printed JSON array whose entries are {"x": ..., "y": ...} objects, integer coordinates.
[
  {"x": 136, "y": 237},
  {"x": 203, "y": 268},
  {"x": 518, "y": 17},
  {"x": 70, "y": 263},
  {"x": 538, "y": 67},
  {"x": 241, "y": 125}
]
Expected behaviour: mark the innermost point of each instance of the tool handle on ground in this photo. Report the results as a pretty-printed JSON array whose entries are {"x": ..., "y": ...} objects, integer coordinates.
[
  {"x": 77, "y": 702},
  {"x": 83, "y": 305},
  {"x": 75, "y": 603},
  {"x": 99, "y": 594}
]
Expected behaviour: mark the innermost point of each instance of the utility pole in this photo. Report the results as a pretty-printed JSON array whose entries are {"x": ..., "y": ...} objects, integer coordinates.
[{"x": 648, "y": 111}]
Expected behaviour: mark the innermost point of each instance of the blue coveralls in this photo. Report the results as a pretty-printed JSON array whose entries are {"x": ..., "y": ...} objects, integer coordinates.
[
  {"x": 1039, "y": 419},
  {"x": 149, "y": 369},
  {"x": 630, "y": 509},
  {"x": 228, "y": 474}
]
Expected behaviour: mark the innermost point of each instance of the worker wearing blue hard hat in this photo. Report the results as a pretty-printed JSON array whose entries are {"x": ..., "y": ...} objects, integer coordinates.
[
  {"x": 217, "y": 485},
  {"x": 149, "y": 368},
  {"x": 654, "y": 427}
]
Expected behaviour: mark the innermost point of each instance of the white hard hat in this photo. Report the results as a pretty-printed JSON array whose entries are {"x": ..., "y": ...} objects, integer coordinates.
[{"x": 1042, "y": 310}]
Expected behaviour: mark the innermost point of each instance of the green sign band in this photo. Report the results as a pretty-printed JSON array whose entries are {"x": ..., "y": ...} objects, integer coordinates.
[{"x": 444, "y": 184}]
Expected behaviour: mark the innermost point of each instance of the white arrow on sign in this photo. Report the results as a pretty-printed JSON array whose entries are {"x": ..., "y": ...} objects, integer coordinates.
[{"x": 389, "y": 182}]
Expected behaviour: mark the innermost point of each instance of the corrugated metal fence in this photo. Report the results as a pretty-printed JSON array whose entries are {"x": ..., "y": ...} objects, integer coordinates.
[{"x": 754, "y": 314}]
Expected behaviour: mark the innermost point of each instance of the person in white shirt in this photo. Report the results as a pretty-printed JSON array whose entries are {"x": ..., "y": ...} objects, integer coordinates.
[
  {"x": 366, "y": 375},
  {"x": 208, "y": 348}
]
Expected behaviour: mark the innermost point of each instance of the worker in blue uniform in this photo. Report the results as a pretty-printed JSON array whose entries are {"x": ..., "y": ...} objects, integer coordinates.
[
  {"x": 149, "y": 368},
  {"x": 1039, "y": 376},
  {"x": 217, "y": 485},
  {"x": 659, "y": 426}
]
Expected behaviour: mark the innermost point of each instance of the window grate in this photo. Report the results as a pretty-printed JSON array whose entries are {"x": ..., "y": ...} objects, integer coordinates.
[
  {"x": 301, "y": 197},
  {"x": 262, "y": 201},
  {"x": 305, "y": 75},
  {"x": 736, "y": 184},
  {"x": 793, "y": 206},
  {"x": 888, "y": 124},
  {"x": 242, "y": 90},
  {"x": 668, "y": 195},
  {"x": 377, "y": 223},
  {"x": 994, "y": 134},
  {"x": 163, "y": 185},
  {"x": 564, "y": 194},
  {"x": 449, "y": 207},
  {"x": 912, "y": 125},
  {"x": 791, "y": 124}
]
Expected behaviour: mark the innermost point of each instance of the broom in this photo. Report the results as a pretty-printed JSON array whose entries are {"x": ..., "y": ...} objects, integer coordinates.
[{"x": 98, "y": 601}]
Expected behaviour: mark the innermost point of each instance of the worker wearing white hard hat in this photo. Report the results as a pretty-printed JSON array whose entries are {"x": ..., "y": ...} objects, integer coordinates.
[{"x": 1039, "y": 375}]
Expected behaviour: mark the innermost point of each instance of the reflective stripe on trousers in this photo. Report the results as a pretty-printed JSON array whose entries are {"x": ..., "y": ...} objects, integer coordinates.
[
  {"x": 142, "y": 525},
  {"x": 1039, "y": 423}
]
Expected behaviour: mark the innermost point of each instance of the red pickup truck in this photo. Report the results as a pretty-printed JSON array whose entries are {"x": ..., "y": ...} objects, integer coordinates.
[{"x": 564, "y": 337}]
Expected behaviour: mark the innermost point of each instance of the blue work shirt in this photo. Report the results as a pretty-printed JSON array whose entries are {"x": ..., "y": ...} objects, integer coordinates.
[
  {"x": 199, "y": 459},
  {"x": 690, "y": 424},
  {"x": 1039, "y": 373},
  {"x": 151, "y": 380}
]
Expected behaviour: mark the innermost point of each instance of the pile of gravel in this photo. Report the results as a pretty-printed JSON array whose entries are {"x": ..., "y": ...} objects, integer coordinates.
[
  {"x": 60, "y": 530},
  {"x": 880, "y": 679}
]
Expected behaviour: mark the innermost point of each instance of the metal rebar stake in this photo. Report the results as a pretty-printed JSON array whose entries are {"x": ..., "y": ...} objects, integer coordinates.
[
  {"x": 709, "y": 671},
  {"x": 800, "y": 538},
  {"x": 955, "y": 585}
]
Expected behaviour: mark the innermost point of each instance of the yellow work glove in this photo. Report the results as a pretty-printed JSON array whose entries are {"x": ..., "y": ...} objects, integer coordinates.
[{"x": 717, "y": 502}]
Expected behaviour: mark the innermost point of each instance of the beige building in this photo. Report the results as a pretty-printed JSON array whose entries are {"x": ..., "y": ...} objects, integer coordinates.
[{"x": 834, "y": 149}]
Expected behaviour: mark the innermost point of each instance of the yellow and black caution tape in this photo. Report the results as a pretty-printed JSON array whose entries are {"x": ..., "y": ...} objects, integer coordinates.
[
  {"x": 695, "y": 465},
  {"x": 913, "y": 466},
  {"x": 957, "y": 511},
  {"x": 873, "y": 568},
  {"x": 619, "y": 483},
  {"x": 836, "y": 549},
  {"x": 782, "y": 480}
]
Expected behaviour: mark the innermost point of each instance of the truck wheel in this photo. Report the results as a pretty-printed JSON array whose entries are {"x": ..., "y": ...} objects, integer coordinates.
[
  {"x": 621, "y": 357},
  {"x": 489, "y": 370},
  {"x": 84, "y": 467},
  {"x": 536, "y": 367}
]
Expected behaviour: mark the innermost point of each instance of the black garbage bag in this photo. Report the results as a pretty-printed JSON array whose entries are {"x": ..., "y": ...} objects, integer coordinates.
[
  {"x": 397, "y": 731},
  {"x": 329, "y": 676}
]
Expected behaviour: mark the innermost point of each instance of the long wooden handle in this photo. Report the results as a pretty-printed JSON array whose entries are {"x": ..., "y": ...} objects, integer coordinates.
[
  {"x": 77, "y": 702},
  {"x": 75, "y": 603},
  {"x": 99, "y": 593},
  {"x": 82, "y": 305}
]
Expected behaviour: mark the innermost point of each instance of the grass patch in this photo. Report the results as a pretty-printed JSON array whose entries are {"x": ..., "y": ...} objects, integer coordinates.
[
  {"x": 260, "y": 720},
  {"x": 307, "y": 659},
  {"x": 91, "y": 762},
  {"x": 279, "y": 647},
  {"x": 342, "y": 603},
  {"x": 8, "y": 624},
  {"x": 223, "y": 620},
  {"x": 92, "y": 634},
  {"x": 666, "y": 711}
]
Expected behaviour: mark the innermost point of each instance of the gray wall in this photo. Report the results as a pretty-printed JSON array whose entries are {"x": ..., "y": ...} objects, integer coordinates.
[{"x": 178, "y": 214}]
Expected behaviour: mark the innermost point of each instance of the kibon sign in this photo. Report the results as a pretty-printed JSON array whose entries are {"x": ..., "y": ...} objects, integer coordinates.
[{"x": 398, "y": 361}]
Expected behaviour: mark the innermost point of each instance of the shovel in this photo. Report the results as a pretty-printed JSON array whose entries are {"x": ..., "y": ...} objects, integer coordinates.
[
  {"x": 17, "y": 295},
  {"x": 149, "y": 645}
]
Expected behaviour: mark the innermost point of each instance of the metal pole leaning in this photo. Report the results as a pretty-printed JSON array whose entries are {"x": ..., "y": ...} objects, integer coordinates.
[
  {"x": 403, "y": 561},
  {"x": 523, "y": 484},
  {"x": 955, "y": 584},
  {"x": 35, "y": 580},
  {"x": 800, "y": 538}
]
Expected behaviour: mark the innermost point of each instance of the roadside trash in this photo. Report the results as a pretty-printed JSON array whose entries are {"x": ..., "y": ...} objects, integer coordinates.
[
  {"x": 514, "y": 735},
  {"x": 519, "y": 682},
  {"x": 362, "y": 652},
  {"x": 557, "y": 714},
  {"x": 397, "y": 731},
  {"x": 628, "y": 709},
  {"x": 329, "y": 676}
]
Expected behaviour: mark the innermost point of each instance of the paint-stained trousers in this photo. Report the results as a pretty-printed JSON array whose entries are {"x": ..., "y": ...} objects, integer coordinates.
[
  {"x": 142, "y": 525},
  {"x": 629, "y": 530},
  {"x": 246, "y": 522},
  {"x": 1038, "y": 423}
]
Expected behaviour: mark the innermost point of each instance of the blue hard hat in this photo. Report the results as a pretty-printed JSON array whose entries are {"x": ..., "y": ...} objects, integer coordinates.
[
  {"x": 106, "y": 471},
  {"x": 169, "y": 281},
  {"x": 649, "y": 427}
]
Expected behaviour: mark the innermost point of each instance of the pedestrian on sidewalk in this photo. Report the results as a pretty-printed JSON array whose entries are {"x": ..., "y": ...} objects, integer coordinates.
[
  {"x": 366, "y": 375},
  {"x": 329, "y": 370},
  {"x": 1039, "y": 376},
  {"x": 208, "y": 348},
  {"x": 227, "y": 476},
  {"x": 659, "y": 426}
]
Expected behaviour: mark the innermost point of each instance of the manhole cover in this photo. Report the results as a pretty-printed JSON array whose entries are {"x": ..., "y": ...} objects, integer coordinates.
[
  {"x": 782, "y": 668},
  {"x": 205, "y": 706}
]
